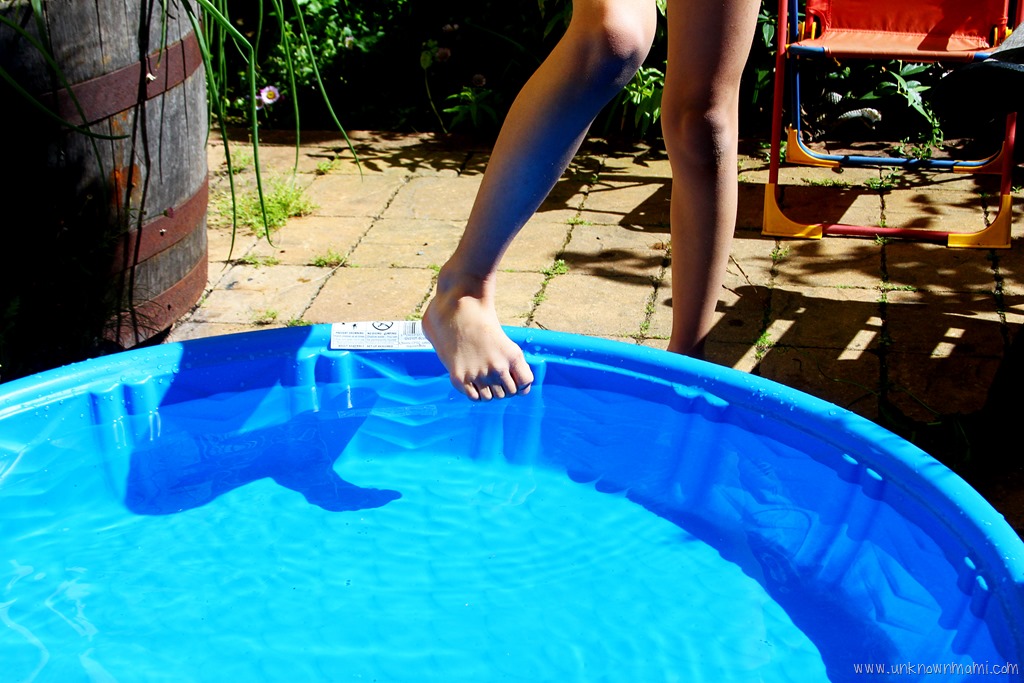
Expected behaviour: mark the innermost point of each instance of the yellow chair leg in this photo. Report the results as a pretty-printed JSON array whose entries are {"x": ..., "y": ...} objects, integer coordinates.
[
  {"x": 995, "y": 236},
  {"x": 776, "y": 224},
  {"x": 994, "y": 165},
  {"x": 795, "y": 153}
]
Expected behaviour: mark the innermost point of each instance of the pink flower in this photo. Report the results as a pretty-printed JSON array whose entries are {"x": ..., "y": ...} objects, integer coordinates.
[
  {"x": 443, "y": 54},
  {"x": 267, "y": 96},
  {"x": 479, "y": 81}
]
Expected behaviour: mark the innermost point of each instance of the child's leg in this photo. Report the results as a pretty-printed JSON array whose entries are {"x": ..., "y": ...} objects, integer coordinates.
[
  {"x": 708, "y": 44},
  {"x": 603, "y": 47}
]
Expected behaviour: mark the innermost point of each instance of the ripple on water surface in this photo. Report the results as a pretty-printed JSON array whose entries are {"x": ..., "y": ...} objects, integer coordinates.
[{"x": 452, "y": 569}]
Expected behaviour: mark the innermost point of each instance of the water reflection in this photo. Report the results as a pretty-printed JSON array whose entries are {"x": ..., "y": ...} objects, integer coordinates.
[{"x": 182, "y": 471}]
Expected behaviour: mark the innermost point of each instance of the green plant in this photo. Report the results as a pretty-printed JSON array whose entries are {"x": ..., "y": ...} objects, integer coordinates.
[
  {"x": 826, "y": 182},
  {"x": 901, "y": 79},
  {"x": 763, "y": 345},
  {"x": 910, "y": 150},
  {"x": 642, "y": 97},
  {"x": 765, "y": 150},
  {"x": 758, "y": 76},
  {"x": 257, "y": 261},
  {"x": 779, "y": 253},
  {"x": 325, "y": 167},
  {"x": 265, "y": 317},
  {"x": 241, "y": 159},
  {"x": 331, "y": 259},
  {"x": 430, "y": 55},
  {"x": 284, "y": 199},
  {"x": 649, "y": 309},
  {"x": 472, "y": 104},
  {"x": 883, "y": 183},
  {"x": 559, "y": 267},
  {"x": 888, "y": 96}
]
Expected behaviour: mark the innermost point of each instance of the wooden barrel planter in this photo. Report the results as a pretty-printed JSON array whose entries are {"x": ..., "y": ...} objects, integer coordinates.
[{"x": 104, "y": 240}]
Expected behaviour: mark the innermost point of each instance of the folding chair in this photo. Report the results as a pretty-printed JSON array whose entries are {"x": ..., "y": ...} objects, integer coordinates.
[{"x": 909, "y": 30}]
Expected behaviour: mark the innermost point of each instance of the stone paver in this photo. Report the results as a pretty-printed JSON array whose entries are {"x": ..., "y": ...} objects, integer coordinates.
[
  {"x": 817, "y": 204},
  {"x": 308, "y": 238},
  {"x": 407, "y": 243},
  {"x": 348, "y": 195},
  {"x": 355, "y": 294},
  {"x": 538, "y": 245},
  {"x": 825, "y": 317},
  {"x": 256, "y": 295},
  {"x": 750, "y": 260},
  {"x": 614, "y": 250},
  {"x": 194, "y": 329},
  {"x": 829, "y": 262},
  {"x": 516, "y": 297},
  {"x": 923, "y": 387},
  {"x": 438, "y": 198},
  {"x": 603, "y": 306},
  {"x": 630, "y": 201},
  {"x": 220, "y": 250},
  {"x": 936, "y": 268},
  {"x": 1010, "y": 263},
  {"x": 945, "y": 325},
  {"x": 945, "y": 211}
]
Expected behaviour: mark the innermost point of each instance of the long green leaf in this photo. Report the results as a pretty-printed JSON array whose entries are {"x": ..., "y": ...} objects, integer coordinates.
[
  {"x": 320, "y": 84},
  {"x": 217, "y": 105},
  {"x": 245, "y": 47}
]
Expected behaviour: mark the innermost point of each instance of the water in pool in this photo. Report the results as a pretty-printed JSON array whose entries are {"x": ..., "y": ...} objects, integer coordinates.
[{"x": 374, "y": 539}]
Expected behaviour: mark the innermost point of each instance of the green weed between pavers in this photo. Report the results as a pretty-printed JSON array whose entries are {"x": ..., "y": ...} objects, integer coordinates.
[
  {"x": 282, "y": 200},
  {"x": 559, "y": 267},
  {"x": 889, "y": 287},
  {"x": 298, "y": 322},
  {"x": 649, "y": 309},
  {"x": 331, "y": 259},
  {"x": 827, "y": 182},
  {"x": 576, "y": 220},
  {"x": 325, "y": 166},
  {"x": 267, "y": 317},
  {"x": 886, "y": 182},
  {"x": 763, "y": 345},
  {"x": 257, "y": 261},
  {"x": 241, "y": 159}
]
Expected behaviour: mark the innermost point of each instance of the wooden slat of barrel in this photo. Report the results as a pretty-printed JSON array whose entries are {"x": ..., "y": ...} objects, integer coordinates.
[{"x": 130, "y": 211}]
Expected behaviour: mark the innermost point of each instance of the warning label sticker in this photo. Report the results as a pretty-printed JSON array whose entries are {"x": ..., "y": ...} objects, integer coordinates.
[{"x": 379, "y": 334}]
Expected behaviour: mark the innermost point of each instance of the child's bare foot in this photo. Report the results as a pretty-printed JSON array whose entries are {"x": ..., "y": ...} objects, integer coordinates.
[{"x": 482, "y": 362}]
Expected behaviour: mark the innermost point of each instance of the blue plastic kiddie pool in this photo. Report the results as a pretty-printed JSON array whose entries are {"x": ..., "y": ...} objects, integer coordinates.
[{"x": 262, "y": 507}]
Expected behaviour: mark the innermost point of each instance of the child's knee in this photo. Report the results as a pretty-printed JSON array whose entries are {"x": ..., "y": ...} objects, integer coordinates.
[
  {"x": 704, "y": 134},
  {"x": 615, "y": 38}
]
